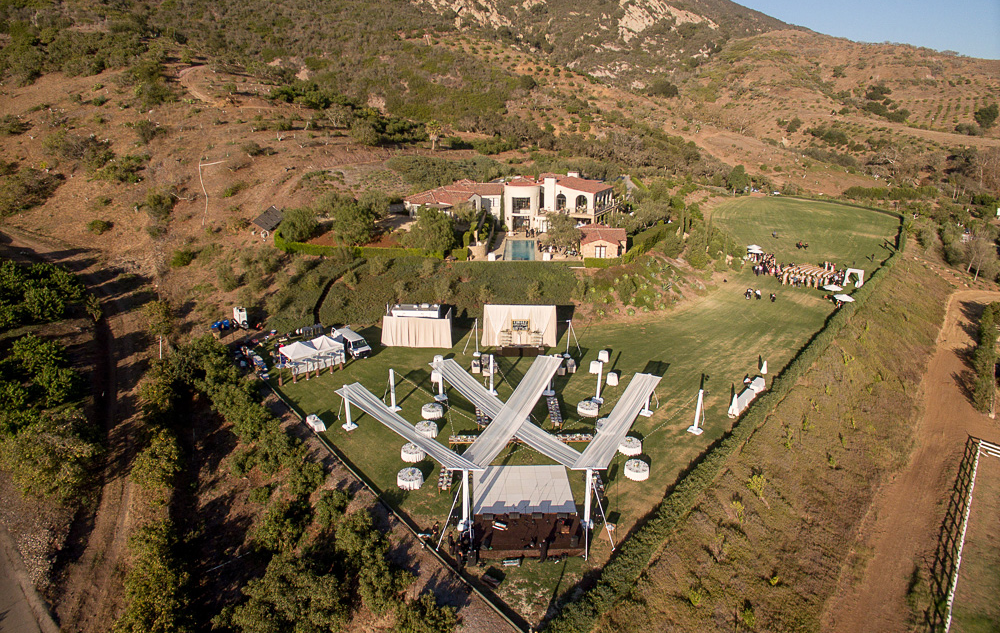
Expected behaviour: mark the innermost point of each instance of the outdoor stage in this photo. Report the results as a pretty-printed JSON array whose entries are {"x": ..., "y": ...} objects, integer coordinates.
[{"x": 525, "y": 511}]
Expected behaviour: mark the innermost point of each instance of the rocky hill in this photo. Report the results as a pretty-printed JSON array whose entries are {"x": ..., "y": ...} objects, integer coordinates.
[{"x": 624, "y": 41}]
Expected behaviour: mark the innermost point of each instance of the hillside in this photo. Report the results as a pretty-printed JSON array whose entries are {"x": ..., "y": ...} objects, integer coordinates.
[
  {"x": 146, "y": 136},
  {"x": 626, "y": 41}
]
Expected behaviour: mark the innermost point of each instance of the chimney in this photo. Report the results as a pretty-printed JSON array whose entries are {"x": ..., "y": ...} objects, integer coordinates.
[{"x": 573, "y": 174}]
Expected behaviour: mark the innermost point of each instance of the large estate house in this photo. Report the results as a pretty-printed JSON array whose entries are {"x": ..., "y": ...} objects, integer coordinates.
[{"x": 523, "y": 202}]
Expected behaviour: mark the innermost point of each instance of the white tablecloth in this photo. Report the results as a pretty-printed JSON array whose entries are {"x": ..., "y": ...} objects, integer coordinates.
[
  {"x": 410, "y": 479},
  {"x": 587, "y": 409},
  {"x": 432, "y": 411},
  {"x": 630, "y": 446},
  {"x": 428, "y": 429},
  {"x": 411, "y": 453},
  {"x": 636, "y": 470}
]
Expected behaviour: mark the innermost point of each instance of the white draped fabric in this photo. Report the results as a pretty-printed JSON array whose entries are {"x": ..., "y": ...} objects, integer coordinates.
[
  {"x": 499, "y": 318},
  {"x": 416, "y": 332}
]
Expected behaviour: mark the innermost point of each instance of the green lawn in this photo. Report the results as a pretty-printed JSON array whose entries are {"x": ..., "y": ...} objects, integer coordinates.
[
  {"x": 720, "y": 335},
  {"x": 845, "y": 235}
]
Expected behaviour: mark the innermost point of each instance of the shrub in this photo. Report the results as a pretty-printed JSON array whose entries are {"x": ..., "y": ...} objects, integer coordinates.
[
  {"x": 99, "y": 227},
  {"x": 181, "y": 258}
]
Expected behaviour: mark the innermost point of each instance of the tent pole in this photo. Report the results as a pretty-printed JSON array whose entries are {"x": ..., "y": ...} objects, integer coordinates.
[
  {"x": 392, "y": 390},
  {"x": 600, "y": 372},
  {"x": 493, "y": 371},
  {"x": 586, "y": 503},
  {"x": 349, "y": 425},
  {"x": 466, "y": 523},
  {"x": 453, "y": 502}
]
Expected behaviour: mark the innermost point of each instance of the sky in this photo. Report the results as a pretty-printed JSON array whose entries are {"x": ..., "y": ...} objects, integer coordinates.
[{"x": 970, "y": 27}]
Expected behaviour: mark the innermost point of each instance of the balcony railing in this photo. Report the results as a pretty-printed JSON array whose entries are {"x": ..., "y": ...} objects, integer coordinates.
[{"x": 585, "y": 212}]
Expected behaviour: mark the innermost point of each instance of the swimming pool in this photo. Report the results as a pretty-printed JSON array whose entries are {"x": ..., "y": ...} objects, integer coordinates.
[{"x": 520, "y": 250}]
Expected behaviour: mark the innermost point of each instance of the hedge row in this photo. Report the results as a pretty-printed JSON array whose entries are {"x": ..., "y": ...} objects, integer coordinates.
[
  {"x": 356, "y": 251},
  {"x": 984, "y": 359},
  {"x": 620, "y": 575}
]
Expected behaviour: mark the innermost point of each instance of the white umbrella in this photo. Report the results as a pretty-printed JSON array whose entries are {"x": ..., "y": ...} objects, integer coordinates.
[
  {"x": 832, "y": 288},
  {"x": 844, "y": 298}
]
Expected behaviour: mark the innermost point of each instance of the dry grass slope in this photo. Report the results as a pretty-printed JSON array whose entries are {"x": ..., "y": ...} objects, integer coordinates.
[{"x": 770, "y": 560}]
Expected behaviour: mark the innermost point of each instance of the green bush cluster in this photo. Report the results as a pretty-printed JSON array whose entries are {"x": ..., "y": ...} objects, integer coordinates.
[
  {"x": 24, "y": 188},
  {"x": 620, "y": 575},
  {"x": 984, "y": 359},
  {"x": 896, "y": 193},
  {"x": 46, "y": 444},
  {"x": 37, "y": 293}
]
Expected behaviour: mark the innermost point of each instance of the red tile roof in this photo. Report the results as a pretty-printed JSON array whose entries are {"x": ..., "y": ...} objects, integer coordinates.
[
  {"x": 482, "y": 188},
  {"x": 442, "y": 195},
  {"x": 600, "y": 232},
  {"x": 582, "y": 184}
]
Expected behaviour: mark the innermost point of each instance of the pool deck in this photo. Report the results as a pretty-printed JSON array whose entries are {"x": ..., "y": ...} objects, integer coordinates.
[{"x": 500, "y": 248}]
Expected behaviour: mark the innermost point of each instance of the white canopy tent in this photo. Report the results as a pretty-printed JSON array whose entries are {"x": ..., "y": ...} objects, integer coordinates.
[
  {"x": 320, "y": 352},
  {"x": 417, "y": 331},
  {"x": 519, "y": 325},
  {"x": 524, "y": 489}
]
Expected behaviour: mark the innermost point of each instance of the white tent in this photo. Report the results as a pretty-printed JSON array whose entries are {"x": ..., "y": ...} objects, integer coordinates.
[
  {"x": 306, "y": 356},
  {"x": 519, "y": 325},
  {"x": 297, "y": 351},
  {"x": 326, "y": 344},
  {"x": 406, "y": 331}
]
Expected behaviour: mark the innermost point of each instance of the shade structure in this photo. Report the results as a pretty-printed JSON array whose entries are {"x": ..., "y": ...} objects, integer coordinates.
[
  {"x": 587, "y": 409},
  {"x": 844, "y": 298},
  {"x": 601, "y": 450},
  {"x": 491, "y": 406},
  {"x": 365, "y": 400},
  {"x": 630, "y": 446},
  {"x": 519, "y": 325},
  {"x": 411, "y": 453},
  {"x": 755, "y": 249},
  {"x": 832, "y": 287},
  {"x": 410, "y": 479},
  {"x": 416, "y": 331},
  {"x": 524, "y": 489},
  {"x": 612, "y": 379},
  {"x": 514, "y": 413},
  {"x": 636, "y": 470},
  {"x": 428, "y": 429}
]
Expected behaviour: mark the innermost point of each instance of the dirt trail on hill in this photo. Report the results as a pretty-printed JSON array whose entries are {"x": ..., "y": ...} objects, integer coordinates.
[
  {"x": 90, "y": 590},
  {"x": 902, "y": 524}
]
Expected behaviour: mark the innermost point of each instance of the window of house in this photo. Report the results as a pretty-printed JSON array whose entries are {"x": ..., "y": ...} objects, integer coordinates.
[
  {"x": 601, "y": 251},
  {"x": 541, "y": 199},
  {"x": 519, "y": 205},
  {"x": 581, "y": 202},
  {"x": 560, "y": 202}
]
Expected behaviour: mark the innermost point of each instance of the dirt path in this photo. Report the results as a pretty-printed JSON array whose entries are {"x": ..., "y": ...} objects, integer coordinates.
[
  {"x": 901, "y": 528},
  {"x": 90, "y": 590}
]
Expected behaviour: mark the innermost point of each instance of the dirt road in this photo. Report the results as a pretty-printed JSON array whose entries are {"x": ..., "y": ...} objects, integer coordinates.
[
  {"x": 901, "y": 528},
  {"x": 90, "y": 589}
]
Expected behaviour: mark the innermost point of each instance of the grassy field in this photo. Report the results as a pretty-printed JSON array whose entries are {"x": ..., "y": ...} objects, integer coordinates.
[
  {"x": 847, "y": 236},
  {"x": 975, "y": 608},
  {"x": 720, "y": 335}
]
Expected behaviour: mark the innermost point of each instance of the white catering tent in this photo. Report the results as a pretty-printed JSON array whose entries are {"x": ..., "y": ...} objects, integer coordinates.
[
  {"x": 320, "y": 352},
  {"x": 413, "y": 326},
  {"x": 519, "y": 325}
]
